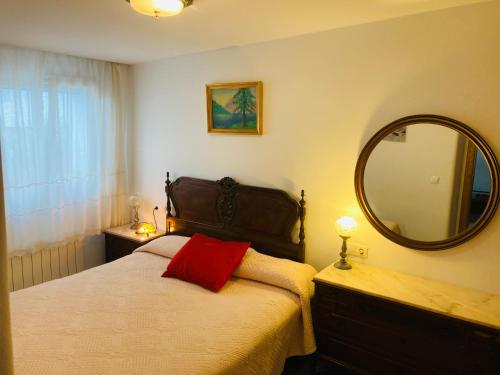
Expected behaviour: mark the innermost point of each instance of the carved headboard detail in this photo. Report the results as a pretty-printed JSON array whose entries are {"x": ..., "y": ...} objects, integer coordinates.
[{"x": 229, "y": 211}]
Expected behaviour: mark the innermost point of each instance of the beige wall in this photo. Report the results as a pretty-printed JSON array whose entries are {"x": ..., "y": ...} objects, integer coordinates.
[
  {"x": 5, "y": 339},
  {"x": 325, "y": 96},
  {"x": 399, "y": 188}
]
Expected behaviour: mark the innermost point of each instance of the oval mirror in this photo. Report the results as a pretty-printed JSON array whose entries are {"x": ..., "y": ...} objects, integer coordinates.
[{"x": 427, "y": 182}]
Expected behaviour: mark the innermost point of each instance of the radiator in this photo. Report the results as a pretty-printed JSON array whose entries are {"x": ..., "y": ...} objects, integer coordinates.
[{"x": 44, "y": 265}]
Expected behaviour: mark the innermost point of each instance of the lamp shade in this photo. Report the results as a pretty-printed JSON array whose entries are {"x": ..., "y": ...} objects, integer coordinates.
[
  {"x": 346, "y": 226},
  {"x": 158, "y": 8},
  {"x": 146, "y": 228},
  {"x": 134, "y": 200}
]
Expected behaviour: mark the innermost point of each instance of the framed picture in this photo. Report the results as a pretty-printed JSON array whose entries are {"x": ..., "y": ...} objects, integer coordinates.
[
  {"x": 235, "y": 108},
  {"x": 398, "y": 135}
]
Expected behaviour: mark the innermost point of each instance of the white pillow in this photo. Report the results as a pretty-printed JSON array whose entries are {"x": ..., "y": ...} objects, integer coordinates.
[{"x": 166, "y": 246}]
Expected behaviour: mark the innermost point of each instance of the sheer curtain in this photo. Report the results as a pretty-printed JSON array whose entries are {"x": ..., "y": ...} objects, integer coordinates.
[
  {"x": 63, "y": 127},
  {"x": 6, "y": 365}
]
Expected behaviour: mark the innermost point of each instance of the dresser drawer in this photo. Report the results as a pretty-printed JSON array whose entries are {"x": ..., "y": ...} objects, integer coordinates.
[
  {"x": 392, "y": 332},
  {"x": 485, "y": 349},
  {"x": 359, "y": 360},
  {"x": 407, "y": 350},
  {"x": 389, "y": 316}
]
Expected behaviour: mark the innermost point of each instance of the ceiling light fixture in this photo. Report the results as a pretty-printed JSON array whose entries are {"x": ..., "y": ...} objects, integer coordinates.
[{"x": 159, "y": 8}]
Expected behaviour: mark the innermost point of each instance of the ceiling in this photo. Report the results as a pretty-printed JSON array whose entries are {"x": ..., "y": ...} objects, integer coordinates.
[{"x": 110, "y": 30}]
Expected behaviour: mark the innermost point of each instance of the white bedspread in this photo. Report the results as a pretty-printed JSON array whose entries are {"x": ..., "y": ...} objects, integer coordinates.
[{"x": 123, "y": 318}]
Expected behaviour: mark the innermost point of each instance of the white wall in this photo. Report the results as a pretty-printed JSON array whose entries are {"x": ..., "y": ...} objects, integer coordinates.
[
  {"x": 399, "y": 188},
  {"x": 326, "y": 94}
]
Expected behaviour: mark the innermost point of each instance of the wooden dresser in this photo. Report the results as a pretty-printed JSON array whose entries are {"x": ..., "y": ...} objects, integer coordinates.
[
  {"x": 122, "y": 241},
  {"x": 371, "y": 320}
]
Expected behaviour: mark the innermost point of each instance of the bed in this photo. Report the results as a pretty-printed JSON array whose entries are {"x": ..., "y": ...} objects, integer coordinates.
[{"x": 123, "y": 318}]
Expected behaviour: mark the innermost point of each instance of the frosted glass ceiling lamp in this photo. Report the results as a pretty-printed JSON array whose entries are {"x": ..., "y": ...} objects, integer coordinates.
[{"x": 159, "y": 8}]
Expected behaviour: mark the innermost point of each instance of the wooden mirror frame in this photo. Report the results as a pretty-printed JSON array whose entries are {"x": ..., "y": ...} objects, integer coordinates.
[{"x": 460, "y": 238}]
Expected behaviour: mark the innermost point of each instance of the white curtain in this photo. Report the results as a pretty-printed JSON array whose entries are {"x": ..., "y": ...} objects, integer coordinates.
[
  {"x": 6, "y": 364},
  {"x": 63, "y": 127}
]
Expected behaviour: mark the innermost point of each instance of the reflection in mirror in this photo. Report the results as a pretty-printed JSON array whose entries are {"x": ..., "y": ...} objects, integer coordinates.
[{"x": 427, "y": 182}]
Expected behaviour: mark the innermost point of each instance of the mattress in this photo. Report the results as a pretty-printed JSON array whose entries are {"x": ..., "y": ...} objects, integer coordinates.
[{"x": 123, "y": 318}]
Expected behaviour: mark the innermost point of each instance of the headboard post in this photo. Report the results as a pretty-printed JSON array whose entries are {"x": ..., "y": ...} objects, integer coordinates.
[
  {"x": 169, "y": 205},
  {"x": 302, "y": 212},
  {"x": 167, "y": 190}
]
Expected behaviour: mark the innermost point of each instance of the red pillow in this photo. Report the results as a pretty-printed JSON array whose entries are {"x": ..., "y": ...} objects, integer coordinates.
[{"x": 206, "y": 261}]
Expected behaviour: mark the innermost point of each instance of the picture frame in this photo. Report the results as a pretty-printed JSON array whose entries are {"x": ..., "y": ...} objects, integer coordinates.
[
  {"x": 235, "y": 108},
  {"x": 398, "y": 135}
]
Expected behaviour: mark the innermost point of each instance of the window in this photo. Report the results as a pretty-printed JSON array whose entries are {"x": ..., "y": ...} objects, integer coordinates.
[{"x": 63, "y": 148}]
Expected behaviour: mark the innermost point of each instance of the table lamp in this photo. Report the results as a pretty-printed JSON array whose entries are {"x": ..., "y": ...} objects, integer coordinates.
[
  {"x": 147, "y": 228},
  {"x": 345, "y": 227},
  {"x": 134, "y": 202}
]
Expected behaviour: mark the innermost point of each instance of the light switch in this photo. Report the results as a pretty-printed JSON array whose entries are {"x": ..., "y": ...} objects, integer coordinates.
[{"x": 435, "y": 180}]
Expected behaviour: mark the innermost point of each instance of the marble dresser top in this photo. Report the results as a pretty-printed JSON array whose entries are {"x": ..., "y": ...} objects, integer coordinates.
[
  {"x": 124, "y": 231},
  {"x": 467, "y": 304}
]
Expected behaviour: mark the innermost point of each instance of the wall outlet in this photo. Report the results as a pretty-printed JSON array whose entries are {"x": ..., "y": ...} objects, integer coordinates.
[{"x": 357, "y": 250}]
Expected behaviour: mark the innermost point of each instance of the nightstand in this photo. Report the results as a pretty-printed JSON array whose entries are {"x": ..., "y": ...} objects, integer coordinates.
[
  {"x": 122, "y": 241},
  {"x": 375, "y": 320}
]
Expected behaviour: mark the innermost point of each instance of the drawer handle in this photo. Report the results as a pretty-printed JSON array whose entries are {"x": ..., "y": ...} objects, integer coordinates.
[{"x": 484, "y": 335}]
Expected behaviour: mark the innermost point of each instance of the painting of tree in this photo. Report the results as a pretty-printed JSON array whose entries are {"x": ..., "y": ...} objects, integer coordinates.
[
  {"x": 235, "y": 108},
  {"x": 245, "y": 104}
]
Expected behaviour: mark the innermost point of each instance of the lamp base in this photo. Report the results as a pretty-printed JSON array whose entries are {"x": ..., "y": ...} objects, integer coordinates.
[{"x": 342, "y": 265}]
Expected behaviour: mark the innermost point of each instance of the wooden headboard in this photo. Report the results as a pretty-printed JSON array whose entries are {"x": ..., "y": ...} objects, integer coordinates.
[{"x": 227, "y": 210}]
